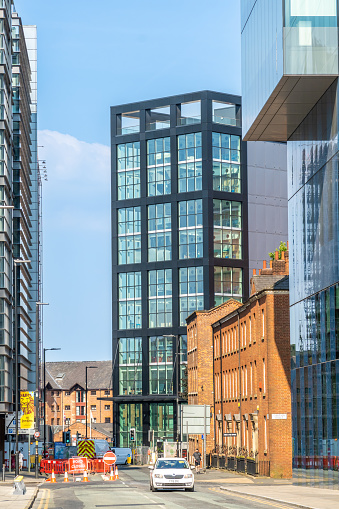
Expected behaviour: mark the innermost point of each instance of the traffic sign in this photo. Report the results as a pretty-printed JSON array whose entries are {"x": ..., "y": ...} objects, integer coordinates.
[
  {"x": 230, "y": 434},
  {"x": 77, "y": 465},
  {"x": 37, "y": 434},
  {"x": 109, "y": 458}
]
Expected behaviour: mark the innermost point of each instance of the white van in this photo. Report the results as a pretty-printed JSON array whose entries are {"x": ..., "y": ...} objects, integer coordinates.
[{"x": 122, "y": 453}]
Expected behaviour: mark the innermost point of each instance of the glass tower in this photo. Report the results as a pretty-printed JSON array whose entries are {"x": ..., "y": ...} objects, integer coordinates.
[
  {"x": 179, "y": 244},
  {"x": 290, "y": 83}
]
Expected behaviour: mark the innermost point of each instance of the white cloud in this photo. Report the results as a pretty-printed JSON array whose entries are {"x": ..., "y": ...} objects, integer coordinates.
[{"x": 77, "y": 193}]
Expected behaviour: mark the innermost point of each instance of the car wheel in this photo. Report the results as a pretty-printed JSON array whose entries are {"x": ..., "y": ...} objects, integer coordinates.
[
  {"x": 153, "y": 489},
  {"x": 190, "y": 489},
  {"x": 150, "y": 487}
]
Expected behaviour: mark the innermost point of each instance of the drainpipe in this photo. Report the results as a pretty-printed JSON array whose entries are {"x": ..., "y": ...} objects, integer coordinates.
[
  {"x": 221, "y": 394},
  {"x": 240, "y": 388},
  {"x": 214, "y": 416}
]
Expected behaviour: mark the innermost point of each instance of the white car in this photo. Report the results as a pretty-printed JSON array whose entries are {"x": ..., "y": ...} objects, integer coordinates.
[{"x": 171, "y": 473}]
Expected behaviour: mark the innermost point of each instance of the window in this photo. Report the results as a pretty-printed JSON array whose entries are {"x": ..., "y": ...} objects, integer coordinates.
[
  {"x": 161, "y": 364},
  {"x": 52, "y": 393},
  {"x": 130, "y": 366},
  {"x": 107, "y": 393},
  {"x": 159, "y": 167},
  {"x": 227, "y": 229},
  {"x": 93, "y": 407},
  {"x": 227, "y": 284},
  {"x": 67, "y": 393},
  {"x": 58, "y": 421},
  {"x": 190, "y": 229},
  {"x": 130, "y": 300},
  {"x": 128, "y": 123},
  {"x": 189, "y": 162},
  {"x": 158, "y": 118},
  {"x": 226, "y": 113},
  {"x": 160, "y": 298},
  {"x": 57, "y": 393},
  {"x": 67, "y": 407},
  {"x": 79, "y": 410},
  {"x": 52, "y": 421},
  {"x": 264, "y": 375},
  {"x": 107, "y": 420},
  {"x": 107, "y": 407},
  {"x": 93, "y": 393},
  {"x": 128, "y": 170},
  {"x": 159, "y": 232},
  {"x": 67, "y": 421},
  {"x": 161, "y": 421},
  {"x": 263, "y": 322},
  {"x": 80, "y": 396},
  {"x": 129, "y": 235},
  {"x": 226, "y": 163},
  {"x": 191, "y": 291},
  {"x": 189, "y": 113}
]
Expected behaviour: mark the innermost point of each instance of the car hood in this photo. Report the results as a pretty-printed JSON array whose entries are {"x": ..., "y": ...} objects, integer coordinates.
[{"x": 172, "y": 471}]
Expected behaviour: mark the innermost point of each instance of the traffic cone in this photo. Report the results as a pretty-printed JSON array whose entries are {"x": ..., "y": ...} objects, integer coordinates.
[
  {"x": 116, "y": 472},
  {"x": 85, "y": 479},
  {"x": 66, "y": 476},
  {"x": 53, "y": 479},
  {"x": 112, "y": 475}
]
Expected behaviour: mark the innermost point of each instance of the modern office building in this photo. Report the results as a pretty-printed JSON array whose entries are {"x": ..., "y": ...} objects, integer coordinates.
[
  {"x": 290, "y": 89},
  {"x": 18, "y": 226},
  {"x": 180, "y": 229}
]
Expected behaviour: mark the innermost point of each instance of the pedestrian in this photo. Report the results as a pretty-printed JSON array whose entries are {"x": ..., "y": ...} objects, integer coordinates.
[
  {"x": 197, "y": 459},
  {"x": 21, "y": 460}
]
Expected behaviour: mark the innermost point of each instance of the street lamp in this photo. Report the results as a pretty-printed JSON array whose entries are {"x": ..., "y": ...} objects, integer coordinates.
[
  {"x": 37, "y": 380},
  {"x": 88, "y": 367},
  {"x": 46, "y": 350},
  {"x": 16, "y": 342}
]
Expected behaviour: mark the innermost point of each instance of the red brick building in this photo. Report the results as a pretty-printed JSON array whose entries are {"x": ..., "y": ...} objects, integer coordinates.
[
  {"x": 250, "y": 392},
  {"x": 200, "y": 363},
  {"x": 66, "y": 395}
]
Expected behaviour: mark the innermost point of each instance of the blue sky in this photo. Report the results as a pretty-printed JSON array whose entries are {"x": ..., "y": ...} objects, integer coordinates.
[{"x": 92, "y": 56}]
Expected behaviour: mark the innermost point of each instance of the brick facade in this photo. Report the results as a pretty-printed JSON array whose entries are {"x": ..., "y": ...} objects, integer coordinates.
[
  {"x": 252, "y": 396},
  {"x": 200, "y": 363},
  {"x": 66, "y": 394}
]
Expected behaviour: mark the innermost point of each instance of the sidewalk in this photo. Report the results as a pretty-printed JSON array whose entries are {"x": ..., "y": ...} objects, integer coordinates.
[
  {"x": 7, "y": 499},
  {"x": 299, "y": 496}
]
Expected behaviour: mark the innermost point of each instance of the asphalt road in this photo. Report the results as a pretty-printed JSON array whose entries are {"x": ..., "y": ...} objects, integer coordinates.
[{"x": 132, "y": 491}]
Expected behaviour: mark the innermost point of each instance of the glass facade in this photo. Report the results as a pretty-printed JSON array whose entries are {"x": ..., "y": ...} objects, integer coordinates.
[
  {"x": 130, "y": 366},
  {"x": 190, "y": 229},
  {"x": 162, "y": 239},
  {"x": 160, "y": 298},
  {"x": 159, "y": 166},
  {"x": 162, "y": 420},
  {"x": 128, "y": 170},
  {"x": 227, "y": 284},
  {"x": 314, "y": 294},
  {"x": 129, "y": 300},
  {"x": 226, "y": 163},
  {"x": 191, "y": 291},
  {"x": 129, "y": 235},
  {"x": 227, "y": 221},
  {"x": 130, "y": 416},
  {"x": 226, "y": 113},
  {"x": 189, "y": 162},
  {"x": 159, "y": 232},
  {"x": 161, "y": 354}
]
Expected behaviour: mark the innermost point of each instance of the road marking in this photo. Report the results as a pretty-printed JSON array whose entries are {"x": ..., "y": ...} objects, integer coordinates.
[
  {"x": 257, "y": 500},
  {"x": 47, "y": 500},
  {"x": 43, "y": 493}
]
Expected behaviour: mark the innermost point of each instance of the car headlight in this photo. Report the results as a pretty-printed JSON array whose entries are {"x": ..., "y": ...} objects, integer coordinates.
[
  {"x": 188, "y": 475},
  {"x": 158, "y": 475}
]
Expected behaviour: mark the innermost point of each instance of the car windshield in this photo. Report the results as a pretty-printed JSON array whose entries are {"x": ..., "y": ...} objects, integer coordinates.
[{"x": 162, "y": 464}]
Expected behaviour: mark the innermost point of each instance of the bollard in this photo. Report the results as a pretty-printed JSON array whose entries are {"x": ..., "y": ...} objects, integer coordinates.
[{"x": 3, "y": 472}]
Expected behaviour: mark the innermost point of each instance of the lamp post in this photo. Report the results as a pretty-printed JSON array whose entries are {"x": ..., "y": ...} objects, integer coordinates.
[
  {"x": 46, "y": 350},
  {"x": 16, "y": 342},
  {"x": 37, "y": 381},
  {"x": 88, "y": 367}
]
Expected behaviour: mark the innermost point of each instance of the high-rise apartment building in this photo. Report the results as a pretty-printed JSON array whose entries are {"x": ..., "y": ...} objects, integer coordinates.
[
  {"x": 180, "y": 230},
  {"x": 19, "y": 225},
  {"x": 290, "y": 90}
]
